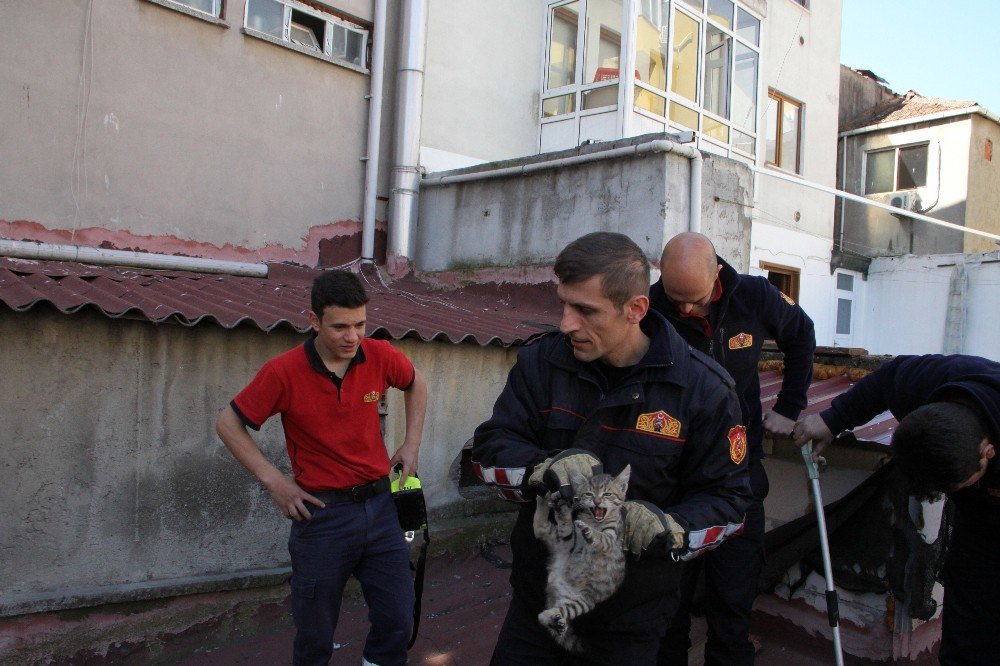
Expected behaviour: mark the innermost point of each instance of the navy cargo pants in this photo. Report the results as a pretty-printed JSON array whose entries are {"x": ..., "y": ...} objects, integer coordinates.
[
  {"x": 731, "y": 573},
  {"x": 362, "y": 539}
]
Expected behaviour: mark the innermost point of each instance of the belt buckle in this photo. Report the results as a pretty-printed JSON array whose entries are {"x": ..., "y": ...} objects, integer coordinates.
[{"x": 356, "y": 493}]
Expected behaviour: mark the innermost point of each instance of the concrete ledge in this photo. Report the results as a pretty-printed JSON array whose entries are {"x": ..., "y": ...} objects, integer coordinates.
[{"x": 23, "y": 604}]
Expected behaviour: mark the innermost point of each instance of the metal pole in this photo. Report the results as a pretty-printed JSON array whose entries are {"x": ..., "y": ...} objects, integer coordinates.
[{"x": 832, "y": 607}]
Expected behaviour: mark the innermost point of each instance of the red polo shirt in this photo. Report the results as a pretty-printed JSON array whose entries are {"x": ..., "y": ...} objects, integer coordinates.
[{"x": 331, "y": 424}]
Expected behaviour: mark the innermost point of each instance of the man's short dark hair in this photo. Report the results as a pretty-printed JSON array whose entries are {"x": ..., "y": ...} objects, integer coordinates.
[
  {"x": 338, "y": 288},
  {"x": 937, "y": 447},
  {"x": 622, "y": 265}
]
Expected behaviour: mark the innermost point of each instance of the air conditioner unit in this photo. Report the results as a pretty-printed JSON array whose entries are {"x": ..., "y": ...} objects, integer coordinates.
[{"x": 905, "y": 200}]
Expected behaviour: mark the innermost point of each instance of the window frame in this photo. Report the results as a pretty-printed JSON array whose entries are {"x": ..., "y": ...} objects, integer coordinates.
[
  {"x": 780, "y": 99},
  {"x": 330, "y": 19},
  {"x": 793, "y": 274},
  {"x": 182, "y": 7},
  {"x": 895, "y": 150}
]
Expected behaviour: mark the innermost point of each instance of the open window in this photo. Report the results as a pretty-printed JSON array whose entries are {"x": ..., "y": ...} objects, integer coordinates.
[
  {"x": 785, "y": 278},
  {"x": 308, "y": 28}
]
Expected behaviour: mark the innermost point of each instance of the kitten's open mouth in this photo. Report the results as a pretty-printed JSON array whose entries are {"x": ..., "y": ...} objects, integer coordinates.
[{"x": 599, "y": 512}]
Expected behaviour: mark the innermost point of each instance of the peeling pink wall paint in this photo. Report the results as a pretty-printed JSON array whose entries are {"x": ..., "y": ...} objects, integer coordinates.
[{"x": 308, "y": 254}]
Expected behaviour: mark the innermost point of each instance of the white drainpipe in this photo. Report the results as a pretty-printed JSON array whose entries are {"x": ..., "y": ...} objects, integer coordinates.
[
  {"x": 374, "y": 134},
  {"x": 409, "y": 104},
  {"x": 94, "y": 255},
  {"x": 655, "y": 146}
]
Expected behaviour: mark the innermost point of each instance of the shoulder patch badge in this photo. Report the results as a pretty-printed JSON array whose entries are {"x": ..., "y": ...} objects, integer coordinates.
[
  {"x": 741, "y": 341},
  {"x": 372, "y": 396},
  {"x": 660, "y": 423},
  {"x": 787, "y": 298},
  {"x": 738, "y": 444}
]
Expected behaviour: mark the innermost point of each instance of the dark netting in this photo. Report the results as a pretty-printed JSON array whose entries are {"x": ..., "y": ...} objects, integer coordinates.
[{"x": 875, "y": 545}]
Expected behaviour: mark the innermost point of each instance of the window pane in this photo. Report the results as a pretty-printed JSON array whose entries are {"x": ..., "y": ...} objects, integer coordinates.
[
  {"x": 683, "y": 115},
  {"x": 355, "y": 47},
  {"x": 845, "y": 282},
  {"x": 748, "y": 27},
  {"x": 717, "y": 54},
  {"x": 878, "y": 171},
  {"x": 912, "y": 167},
  {"x": 721, "y": 11},
  {"x": 744, "y": 142},
  {"x": 307, "y": 30},
  {"x": 789, "y": 135},
  {"x": 843, "y": 316},
  {"x": 651, "y": 47},
  {"x": 745, "y": 88},
  {"x": 686, "y": 47},
  {"x": 603, "y": 41},
  {"x": 695, "y": 3},
  {"x": 266, "y": 16},
  {"x": 598, "y": 97},
  {"x": 201, "y": 5},
  {"x": 562, "y": 46},
  {"x": 650, "y": 102},
  {"x": 715, "y": 129},
  {"x": 771, "y": 132},
  {"x": 557, "y": 106}
]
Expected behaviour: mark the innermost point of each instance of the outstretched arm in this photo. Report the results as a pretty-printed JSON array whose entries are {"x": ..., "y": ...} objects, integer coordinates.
[{"x": 287, "y": 494}]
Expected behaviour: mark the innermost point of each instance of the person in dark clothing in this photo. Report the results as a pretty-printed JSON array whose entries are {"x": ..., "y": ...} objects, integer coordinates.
[
  {"x": 615, "y": 386},
  {"x": 948, "y": 409},
  {"x": 728, "y": 316}
]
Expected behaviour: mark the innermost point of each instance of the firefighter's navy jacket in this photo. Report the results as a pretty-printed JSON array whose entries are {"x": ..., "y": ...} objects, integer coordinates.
[
  {"x": 674, "y": 418},
  {"x": 748, "y": 310},
  {"x": 908, "y": 382}
]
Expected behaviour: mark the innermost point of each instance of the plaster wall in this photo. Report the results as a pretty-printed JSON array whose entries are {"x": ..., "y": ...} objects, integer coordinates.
[
  {"x": 811, "y": 256},
  {"x": 114, "y": 478},
  {"x": 983, "y": 194},
  {"x": 873, "y": 232},
  {"x": 800, "y": 58},
  {"x": 528, "y": 219},
  {"x": 908, "y": 305},
  {"x": 481, "y": 81},
  {"x": 143, "y": 123}
]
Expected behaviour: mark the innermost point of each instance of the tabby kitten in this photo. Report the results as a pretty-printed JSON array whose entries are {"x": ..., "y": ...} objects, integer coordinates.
[{"x": 586, "y": 561}]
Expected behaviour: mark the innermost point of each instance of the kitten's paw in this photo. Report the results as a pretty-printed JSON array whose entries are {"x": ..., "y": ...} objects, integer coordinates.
[
  {"x": 587, "y": 533},
  {"x": 553, "y": 620}
]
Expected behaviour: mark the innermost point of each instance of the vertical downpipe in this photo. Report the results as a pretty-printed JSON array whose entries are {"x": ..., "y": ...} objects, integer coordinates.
[
  {"x": 374, "y": 134},
  {"x": 406, "y": 170}
]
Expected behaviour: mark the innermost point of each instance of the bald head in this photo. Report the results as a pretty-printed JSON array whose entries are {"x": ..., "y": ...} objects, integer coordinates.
[{"x": 688, "y": 268}]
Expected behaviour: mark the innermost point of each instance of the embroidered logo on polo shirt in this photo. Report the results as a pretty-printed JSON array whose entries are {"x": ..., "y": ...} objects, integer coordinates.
[
  {"x": 372, "y": 396},
  {"x": 741, "y": 341},
  {"x": 787, "y": 298},
  {"x": 738, "y": 444},
  {"x": 659, "y": 422}
]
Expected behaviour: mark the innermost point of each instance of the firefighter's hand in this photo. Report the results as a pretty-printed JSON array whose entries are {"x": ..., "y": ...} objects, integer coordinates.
[
  {"x": 814, "y": 428},
  {"x": 777, "y": 425},
  {"x": 552, "y": 474},
  {"x": 647, "y": 529},
  {"x": 289, "y": 497}
]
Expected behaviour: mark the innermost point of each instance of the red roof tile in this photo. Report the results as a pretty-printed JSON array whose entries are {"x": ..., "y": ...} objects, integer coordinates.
[
  {"x": 911, "y": 106},
  {"x": 485, "y": 314}
]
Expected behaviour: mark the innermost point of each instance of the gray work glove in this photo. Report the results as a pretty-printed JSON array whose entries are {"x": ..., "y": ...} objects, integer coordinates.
[
  {"x": 552, "y": 474},
  {"x": 648, "y": 529}
]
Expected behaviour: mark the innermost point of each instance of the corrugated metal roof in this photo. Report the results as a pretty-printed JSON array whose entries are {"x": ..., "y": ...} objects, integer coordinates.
[
  {"x": 485, "y": 314},
  {"x": 821, "y": 393}
]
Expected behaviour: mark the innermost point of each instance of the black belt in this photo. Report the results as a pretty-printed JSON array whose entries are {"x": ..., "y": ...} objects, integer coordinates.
[{"x": 356, "y": 494}]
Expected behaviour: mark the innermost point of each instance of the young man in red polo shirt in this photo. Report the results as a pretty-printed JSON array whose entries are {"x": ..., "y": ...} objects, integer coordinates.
[{"x": 327, "y": 391}]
